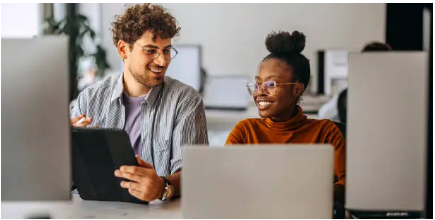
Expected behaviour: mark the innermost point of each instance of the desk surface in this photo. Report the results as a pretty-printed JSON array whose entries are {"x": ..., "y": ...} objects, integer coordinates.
[{"x": 78, "y": 208}]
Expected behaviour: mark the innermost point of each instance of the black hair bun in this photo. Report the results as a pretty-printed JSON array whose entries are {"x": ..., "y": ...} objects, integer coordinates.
[{"x": 285, "y": 43}]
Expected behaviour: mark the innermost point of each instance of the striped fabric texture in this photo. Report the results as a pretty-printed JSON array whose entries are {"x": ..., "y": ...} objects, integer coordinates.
[{"x": 172, "y": 116}]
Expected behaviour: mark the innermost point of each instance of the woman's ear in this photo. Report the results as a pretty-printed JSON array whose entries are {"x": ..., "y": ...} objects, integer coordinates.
[{"x": 299, "y": 90}]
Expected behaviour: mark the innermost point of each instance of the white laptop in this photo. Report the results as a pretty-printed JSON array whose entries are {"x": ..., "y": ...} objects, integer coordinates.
[{"x": 258, "y": 181}]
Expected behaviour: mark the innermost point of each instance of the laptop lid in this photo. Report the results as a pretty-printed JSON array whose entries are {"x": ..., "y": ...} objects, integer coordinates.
[{"x": 258, "y": 181}]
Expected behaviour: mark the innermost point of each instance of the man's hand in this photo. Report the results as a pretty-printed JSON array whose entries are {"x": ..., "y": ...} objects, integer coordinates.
[
  {"x": 145, "y": 184},
  {"x": 78, "y": 122}
]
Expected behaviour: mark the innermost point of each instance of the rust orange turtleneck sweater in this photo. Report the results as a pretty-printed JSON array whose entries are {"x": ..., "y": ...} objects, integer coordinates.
[{"x": 298, "y": 129}]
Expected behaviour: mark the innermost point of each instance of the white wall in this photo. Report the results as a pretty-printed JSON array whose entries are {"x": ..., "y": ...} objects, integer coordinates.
[
  {"x": 93, "y": 12},
  {"x": 14, "y": 24},
  {"x": 232, "y": 35}
]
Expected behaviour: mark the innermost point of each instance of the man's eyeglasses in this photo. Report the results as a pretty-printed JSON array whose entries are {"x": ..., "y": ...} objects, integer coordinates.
[
  {"x": 170, "y": 53},
  {"x": 269, "y": 87}
]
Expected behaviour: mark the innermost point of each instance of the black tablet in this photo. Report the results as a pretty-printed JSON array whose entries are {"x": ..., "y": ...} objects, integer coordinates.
[{"x": 96, "y": 154}]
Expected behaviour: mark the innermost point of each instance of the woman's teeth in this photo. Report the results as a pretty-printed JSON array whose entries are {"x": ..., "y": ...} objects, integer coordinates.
[{"x": 264, "y": 104}]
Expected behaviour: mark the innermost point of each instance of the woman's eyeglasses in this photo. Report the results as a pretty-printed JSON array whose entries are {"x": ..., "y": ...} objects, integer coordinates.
[{"x": 269, "y": 87}]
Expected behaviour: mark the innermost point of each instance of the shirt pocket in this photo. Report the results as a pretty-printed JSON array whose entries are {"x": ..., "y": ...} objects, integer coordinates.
[{"x": 162, "y": 144}]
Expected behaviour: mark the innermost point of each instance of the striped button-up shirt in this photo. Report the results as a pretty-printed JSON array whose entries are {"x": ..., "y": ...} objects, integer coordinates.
[{"x": 172, "y": 116}]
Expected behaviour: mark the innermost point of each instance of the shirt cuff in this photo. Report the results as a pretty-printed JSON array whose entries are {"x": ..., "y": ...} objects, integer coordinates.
[{"x": 176, "y": 167}]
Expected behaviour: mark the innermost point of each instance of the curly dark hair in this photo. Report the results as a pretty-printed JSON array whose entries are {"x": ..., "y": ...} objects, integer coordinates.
[{"x": 138, "y": 19}]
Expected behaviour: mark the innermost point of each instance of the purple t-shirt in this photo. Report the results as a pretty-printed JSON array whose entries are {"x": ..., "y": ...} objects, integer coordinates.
[{"x": 132, "y": 120}]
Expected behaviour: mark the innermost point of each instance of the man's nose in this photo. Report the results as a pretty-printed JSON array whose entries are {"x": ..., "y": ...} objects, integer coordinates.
[{"x": 160, "y": 60}]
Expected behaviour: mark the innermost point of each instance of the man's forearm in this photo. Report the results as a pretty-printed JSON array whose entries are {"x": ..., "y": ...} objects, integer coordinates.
[{"x": 175, "y": 180}]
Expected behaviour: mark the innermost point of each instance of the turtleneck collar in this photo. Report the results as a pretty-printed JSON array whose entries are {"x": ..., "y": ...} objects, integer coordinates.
[{"x": 288, "y": 125}]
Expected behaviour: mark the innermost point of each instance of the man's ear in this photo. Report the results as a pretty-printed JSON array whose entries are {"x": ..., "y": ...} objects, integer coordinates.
[{"x": 123, "y": 49}]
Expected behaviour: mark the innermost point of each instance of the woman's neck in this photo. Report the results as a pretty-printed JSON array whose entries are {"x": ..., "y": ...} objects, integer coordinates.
[{"x": 287, "y": 116}]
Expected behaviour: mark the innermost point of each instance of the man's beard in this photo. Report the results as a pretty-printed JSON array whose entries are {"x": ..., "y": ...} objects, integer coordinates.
[{"x": 145, "y": 79}]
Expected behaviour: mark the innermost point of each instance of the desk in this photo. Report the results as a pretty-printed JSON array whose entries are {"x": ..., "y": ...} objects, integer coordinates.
[{"x": 78, "y": 208}]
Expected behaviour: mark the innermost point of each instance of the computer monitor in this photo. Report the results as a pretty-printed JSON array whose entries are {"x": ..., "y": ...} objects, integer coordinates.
[
  {"x": 387, "y": 134},
  {"x": 35, "y": 159},
  {"x": 332, "y": 71},
  {"x": 186, "y": 66},
  {"x": 226, "y": 92}
]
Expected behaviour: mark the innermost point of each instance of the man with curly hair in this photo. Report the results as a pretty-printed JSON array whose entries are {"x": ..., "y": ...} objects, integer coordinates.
[{"x": 159, "y": 114}]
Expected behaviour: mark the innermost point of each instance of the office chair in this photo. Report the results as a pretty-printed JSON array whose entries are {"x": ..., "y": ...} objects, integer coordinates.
[
  {"x": 342, "y": 128},
  {"x": 339, "y": 210},
  {"x": 342, "y": 106},
  {"x": 342, "y": 109}
]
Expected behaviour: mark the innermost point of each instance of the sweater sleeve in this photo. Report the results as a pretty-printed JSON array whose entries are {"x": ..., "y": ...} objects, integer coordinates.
[{"x": 237, "y": 135}]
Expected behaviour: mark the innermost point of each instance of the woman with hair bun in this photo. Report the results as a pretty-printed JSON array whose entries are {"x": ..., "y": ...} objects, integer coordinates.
[{"x": 282, "y": 78}]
